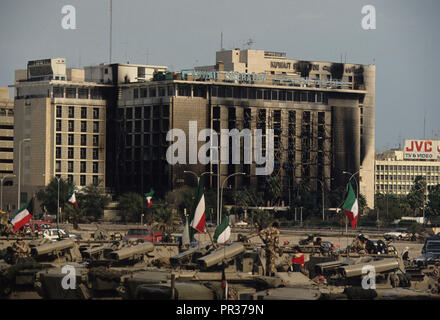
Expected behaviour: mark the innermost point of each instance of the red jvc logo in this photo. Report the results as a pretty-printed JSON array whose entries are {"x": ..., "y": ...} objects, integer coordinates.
[{"x": 420, "y": 146}]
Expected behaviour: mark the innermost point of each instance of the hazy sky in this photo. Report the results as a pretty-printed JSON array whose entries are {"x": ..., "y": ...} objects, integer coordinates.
[{"x": 182, "y": 33}]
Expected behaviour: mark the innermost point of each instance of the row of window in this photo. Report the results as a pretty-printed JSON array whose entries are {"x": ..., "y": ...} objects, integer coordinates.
[
  {"x": 187, "y": 90},
  {"x": 407, "y": 168},
  {"x": 155, "y": 126},
  {"x": 83, "y": 138},
  {"x": 153, "y": 92},
  {"x": 159, "y": 111},
  {"x": 82, "y": 179},
  {"x": 403, "y": 188},
  {"x": 78, "y": 93},
  {"x": 82, "y": 166},
  {"x": 83, "y": 153},
  {"x": 71, "y": 112},
  {"x": 71, "y": 126},
  {"x": 403, "y": 177}
]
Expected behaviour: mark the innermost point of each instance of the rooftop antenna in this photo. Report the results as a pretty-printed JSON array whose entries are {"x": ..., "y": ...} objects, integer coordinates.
[
  {"x": 249, "y": 43},
  {"x": 221, "y": 41},
  {"x": 110, "y": 48},
  {"x": 345, "y": 58},
  {"x": 147, "y": 54}
]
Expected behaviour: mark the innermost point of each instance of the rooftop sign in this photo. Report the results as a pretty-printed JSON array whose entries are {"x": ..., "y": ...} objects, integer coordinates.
[{"x": 422, "y": 149}]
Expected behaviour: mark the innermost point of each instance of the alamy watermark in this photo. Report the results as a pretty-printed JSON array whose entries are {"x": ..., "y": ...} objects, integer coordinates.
[
  {"x": 369, "y": 20},
  {"x": 369, "y": 280},
  {"x": 69, "y": 20},
  {"x": 262, "y": 148}
]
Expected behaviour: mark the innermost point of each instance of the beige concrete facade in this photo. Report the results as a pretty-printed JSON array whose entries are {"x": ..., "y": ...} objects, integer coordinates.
[
  {"x": 66, "y": 124},
  {"x": 394, "y": 175},
  {"x": 6, "y": 133}
]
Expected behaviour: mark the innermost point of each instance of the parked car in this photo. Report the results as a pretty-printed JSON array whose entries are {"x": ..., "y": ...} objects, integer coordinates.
[
  {"x": 424, "y": 260},
  {"x": 143, "y": 234},
  {"x": 56, "y": 234},
  {"x": 241, "y": 224},
  {"x": 397, "y": 234}
]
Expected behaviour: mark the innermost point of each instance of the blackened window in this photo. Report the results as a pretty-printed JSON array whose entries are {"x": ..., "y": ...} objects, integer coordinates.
[
  {"x": 83, "y": 93},
  {"x": 70, "y": 166},
  {"x": 129, "y": 126},
  {"x": 289, "y": 96},
  {"x": 71, "y": 93},
  {"x": 135, "y": 93},
  {"x": 58, "y": 153},
  {"x": 216, "y": 112},
  {"x": 95, "y": 167},
  {"x": 95, "y": 140},
  {"x": 83, "y": 126},
  {"x": 152, "y": 92},
  {"x": 59, "y": 111},
  {"x": 138, "y": 126},
  {"x": 58, "y": 125},
  {"x": 83, "y": 153},
  {"x": 166, "y": 111},
  {"x": 83, "y": 113},
  {"x": 58, "y": 166},
  {"x": 147, "y": 125},
  {"x": 129, "y": 113},
  {"x": 138, "y": 112},
  {"x": 71, "y": 112},
  {"x": 58, "y": 138},
  {"x": 70, "y": 153},
  {"x": 70, "y": 179},
  {"x": 95, "y": 154},
  {"x": 83, "y": 140},
  {"x": 137, "y": 140},
  {"x": 71, "y": 126},
  {"x": 82, "y": 180},
  {"x": 70, "y": 140},
  {"x": 296, "y": 96},
  {"x": 147, "y": 112},
  {"x": 95, "y": 126},
  {"x": 82, "y": 166},
  {"x": 95, "y": 180},
  {"x": 95, "y": 113}
]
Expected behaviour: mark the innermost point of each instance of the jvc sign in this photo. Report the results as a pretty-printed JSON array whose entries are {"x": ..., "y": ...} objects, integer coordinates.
[{"x": 422, "y": 149}]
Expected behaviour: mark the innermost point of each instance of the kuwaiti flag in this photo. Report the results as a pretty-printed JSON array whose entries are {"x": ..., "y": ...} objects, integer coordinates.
[
  {"x": 197, "y": 218},
  {"x": 149, "y": 196},
  {"x": 350, "y": 206},
  {"x": 223, "y": 231},
  {"x": 72, "y": 198},
  {"x": 22, "y": 216}
]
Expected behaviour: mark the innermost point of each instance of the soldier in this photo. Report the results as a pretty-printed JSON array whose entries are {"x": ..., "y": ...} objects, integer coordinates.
[
  {"x": 271, "y": 237},
  {"x": 21, "y": 249}
]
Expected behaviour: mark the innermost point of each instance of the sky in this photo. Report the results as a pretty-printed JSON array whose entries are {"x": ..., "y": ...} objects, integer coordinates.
[{"x": 183, "y": 33}]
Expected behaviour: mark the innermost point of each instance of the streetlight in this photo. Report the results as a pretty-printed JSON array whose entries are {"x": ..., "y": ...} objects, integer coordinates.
[
  {"x": 221, "y": 194},
  {"x": 352, "y": 175},
  {"x": 58, "y": 199},
  {"x": 1, "y": 192},
  {"x": 19, "y": 166},
  {"x": 195, "y": 174},
  {"x": 322, "y": 185}
]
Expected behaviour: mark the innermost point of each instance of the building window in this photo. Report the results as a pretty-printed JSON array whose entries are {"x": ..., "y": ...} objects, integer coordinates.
[
  {"x": 70, "y": 178},
  {"x": 58, "y": 166},
  {"x": 83, "y": 113},
  {"x": 82, "y": 167},
  {"x": 83, "y": 93},
  {"x": 70, "y": 140},
  {"x": 129, "y": 113},
  {"x": 82, "y": 180},
  {"x": 70, "y": 166},
  {"x": 71, "y": 112},
  {"x": 135, "y": 93},
  {"x": 71, "y": 93},
  {"x": 95, "y": 140},
  {"x": 95, "y": 154},
  {"x": 83, "y": 126},
  {"x": 95, "y": 167},
  {"x": 83, "y": 140},
  {"x": 58, "y": 138},
  {"x": 71, "y": 126},
  {"x": 58, "y": 153},
  {"x": 83, "y": 153},
  {"x": 59, "y": 111},
  {"x": 95, "y": 180},
  {"x": 70, "y": 153},
  {"x": 95, "y": 126},
  {"x": 58, "y": 125},
  {"x": 95, "y": 113}
]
